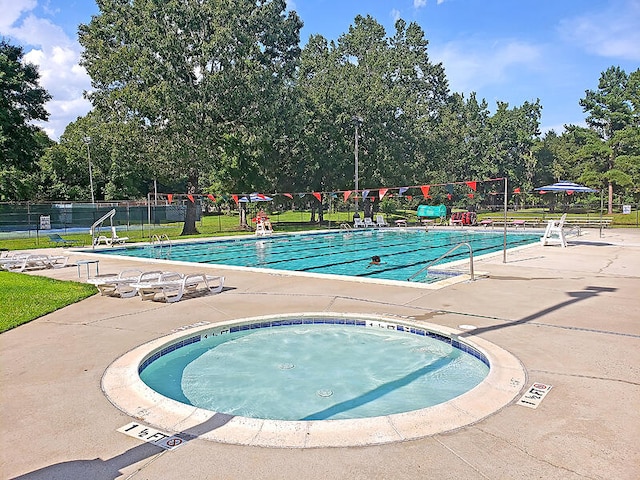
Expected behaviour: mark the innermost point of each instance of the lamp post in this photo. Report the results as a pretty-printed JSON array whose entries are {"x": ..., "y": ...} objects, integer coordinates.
[
  {"x": 87, "y": 140},
  {"x": 357, "y": 121}
]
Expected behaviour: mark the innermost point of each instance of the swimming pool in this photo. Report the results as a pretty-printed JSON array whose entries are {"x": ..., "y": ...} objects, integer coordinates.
[{"x": 403, "y": 252}]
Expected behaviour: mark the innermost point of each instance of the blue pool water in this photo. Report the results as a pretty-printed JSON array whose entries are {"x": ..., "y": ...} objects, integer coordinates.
[
  {"x": 403, "y": 252},
  {"x": 315, "y": 371}
]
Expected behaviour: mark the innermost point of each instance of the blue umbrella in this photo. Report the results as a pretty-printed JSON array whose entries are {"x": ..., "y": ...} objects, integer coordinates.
[{"x": 564, "y": 186}]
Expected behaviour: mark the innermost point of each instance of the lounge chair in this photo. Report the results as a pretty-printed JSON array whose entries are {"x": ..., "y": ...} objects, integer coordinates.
[
  {"x": 58, "y": 240},
  {"x": 368, "y": 222},
  {"x": 358, "y": 223},
  {"x": 115, "y": 239},
  {"x": 21, "y": 263},
  {"x": 120, "y": 284},
  {"x": 380, "y": 221},
  {"x": 172, "y": 286},
  {"x": 554, "y": 234}
]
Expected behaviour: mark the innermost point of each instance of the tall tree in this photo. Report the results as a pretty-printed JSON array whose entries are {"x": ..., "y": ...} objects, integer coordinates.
[
  {"x": 21, "y": 102},
  {"x": 612, "y": 112},
  {"x": 195, "y": 77}
]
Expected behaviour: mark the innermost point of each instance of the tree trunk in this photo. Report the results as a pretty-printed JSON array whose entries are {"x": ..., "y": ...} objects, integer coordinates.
[
  {"x": 189, "y": 227},
  {"x": 610, "y": 209}
]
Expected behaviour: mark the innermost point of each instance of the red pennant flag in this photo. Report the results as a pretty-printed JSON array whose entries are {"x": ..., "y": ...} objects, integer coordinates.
[
  {"x": 169, "y": 197},
  {"x": 516, "y": 190},
  {"x": 346, "y": 195},
  {"x": 235, "y": 198},
  {"x": 470, "y": 195},
  {"x": 211, "y": 197},
  {"x": 190, "y": 197},
  {"x": 288, "y": 195},
  {"x": 318, "y": 196},
  {"x": 383, "y": 192},
  {"x": 542, "y": 192},
  {"x": 425, "y": 190},
  {"x": 260, "y": 195},
  {"x": 569, "y": 192},
  {"x": 472, "y": 185},
  {"x": 409, "y": 197},
  {"x": 449, "y": 196}
]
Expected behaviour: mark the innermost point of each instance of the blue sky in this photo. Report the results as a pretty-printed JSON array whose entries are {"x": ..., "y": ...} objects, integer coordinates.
[{"x": 512, "y": 51}]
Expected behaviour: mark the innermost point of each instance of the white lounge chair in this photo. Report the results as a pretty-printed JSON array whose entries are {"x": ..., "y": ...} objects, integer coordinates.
[
  {"x": 358, "y": 223},
  {"x": 380, "y": 221},
  {"x": 172, "y": 286},
  {"x": 368, "y": 222},
  {"x": 120, "y": 284},
  {"x": 554, "y": 234},
  {"x": 115, "y": 239},
  {"x": 21, "y": 263}
]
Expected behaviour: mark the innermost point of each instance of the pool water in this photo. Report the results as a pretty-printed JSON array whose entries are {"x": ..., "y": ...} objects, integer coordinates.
[
  {"x": 315, "y": 372},
  {"x": 403, "y": 252}
]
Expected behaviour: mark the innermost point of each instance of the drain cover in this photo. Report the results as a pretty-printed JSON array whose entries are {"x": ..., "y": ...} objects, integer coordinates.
[
  {"x": 286, "y": 366},
  {"x": 324, "y": 393}
]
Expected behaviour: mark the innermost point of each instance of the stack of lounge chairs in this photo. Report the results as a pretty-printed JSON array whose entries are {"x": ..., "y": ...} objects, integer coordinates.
[
  {"x": 167, "y": 286},
  {"x": 21, "y": 262}
]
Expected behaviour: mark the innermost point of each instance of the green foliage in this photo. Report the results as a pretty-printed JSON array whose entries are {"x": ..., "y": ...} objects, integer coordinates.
[
  {"x": 21, "y": 143},
  {"x": 27, "y": 297}
]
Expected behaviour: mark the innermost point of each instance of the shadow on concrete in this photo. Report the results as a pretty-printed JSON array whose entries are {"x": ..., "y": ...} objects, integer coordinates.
[
  {"x": 98, "y": 469},
  {"x": 575, "y": 297}
]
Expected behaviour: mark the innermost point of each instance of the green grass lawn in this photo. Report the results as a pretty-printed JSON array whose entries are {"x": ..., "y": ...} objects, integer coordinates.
[{"x": 27, "y": 297}]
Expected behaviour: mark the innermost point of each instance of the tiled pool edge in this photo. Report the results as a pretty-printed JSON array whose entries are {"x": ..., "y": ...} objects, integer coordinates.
[{"x": 124, "y": 389}]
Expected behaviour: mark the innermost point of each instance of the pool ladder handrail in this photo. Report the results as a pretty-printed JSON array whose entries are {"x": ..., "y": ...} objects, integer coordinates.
[
  {"x": 451, "y": 250},
  {"x": 162, "y": 240}
]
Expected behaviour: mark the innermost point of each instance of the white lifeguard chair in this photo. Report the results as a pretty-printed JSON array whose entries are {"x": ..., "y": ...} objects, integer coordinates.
[{"x": 263, "y": 227}]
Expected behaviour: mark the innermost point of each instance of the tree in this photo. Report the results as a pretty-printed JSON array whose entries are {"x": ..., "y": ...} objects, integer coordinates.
[
  {"x": 614, "y": 115},
  {"x": 21, "y": 102},
  {"x": 192, "y": 77}
]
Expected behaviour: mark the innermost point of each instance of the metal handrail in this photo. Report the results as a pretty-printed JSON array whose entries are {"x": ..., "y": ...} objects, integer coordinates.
[
  {"x": 452, "y": 249},
  {"x": 162, "y": 240}
]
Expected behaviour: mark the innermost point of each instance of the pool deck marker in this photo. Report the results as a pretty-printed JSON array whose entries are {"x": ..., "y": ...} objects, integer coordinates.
[
  {"x": 151, "y": 435},
  {"x": 533, "y": 397}
]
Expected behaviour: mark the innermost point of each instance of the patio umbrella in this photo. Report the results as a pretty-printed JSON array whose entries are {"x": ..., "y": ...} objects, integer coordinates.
[{"x": 564, "y": 186}]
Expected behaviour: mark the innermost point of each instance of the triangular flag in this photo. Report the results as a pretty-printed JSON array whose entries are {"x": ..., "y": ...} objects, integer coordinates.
[
  {"x": 346, "y": 195},
  {"x": 472, "y": 185},
  {"x": 542, "y": 192},
  {"x": 235, "y": 198},
  {"x": 211, "y": 197},
  {"x": 569, "y": 192},
  {"x": 516, "y": 190},
  {"x": 470, "y": 195},
  {"x": 288, "y": 195},
  {"x": 190, "y": 197},
  {"x": 409, "y": 197},
  {"x": 318, "y": 195},
  {"x": 403, "y": 189},
  {"x": 425, "y": 190},
  {"x": 169, "y": 197},
  {"x": 383, "y": 192},
  {"x": 449, "y": 196},
  {"x": 449, "y": 189},
  {"x": 365, "y": 193},
  {"x": 301, "y": 195},
  {"x": 260, "y": 195}
]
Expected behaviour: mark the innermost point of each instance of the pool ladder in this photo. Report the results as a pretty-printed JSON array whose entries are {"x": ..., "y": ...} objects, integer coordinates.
[
  {"x": 451, "y": 250},
  {"x": 164, "y": 244}
]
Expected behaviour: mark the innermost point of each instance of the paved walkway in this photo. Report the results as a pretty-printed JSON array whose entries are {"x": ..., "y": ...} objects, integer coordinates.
[{"x": 572, "y": 316}]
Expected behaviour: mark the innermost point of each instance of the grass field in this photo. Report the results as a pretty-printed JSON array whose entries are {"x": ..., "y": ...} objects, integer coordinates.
[{"x": 27, "y": 297}]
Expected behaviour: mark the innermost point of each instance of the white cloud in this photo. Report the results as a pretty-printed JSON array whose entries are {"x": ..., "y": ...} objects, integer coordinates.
[
  {"x": 611, "y": 33},
  {"x": 470, "y": 68},
  {"x": 395, "y": 15},
  {"x": 419, "y": 3},
  {"x": 56, "y": 56}
]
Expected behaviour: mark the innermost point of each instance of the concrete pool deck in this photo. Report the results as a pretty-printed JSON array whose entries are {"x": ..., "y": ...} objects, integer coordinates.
[{"x": 571, "y": 316}]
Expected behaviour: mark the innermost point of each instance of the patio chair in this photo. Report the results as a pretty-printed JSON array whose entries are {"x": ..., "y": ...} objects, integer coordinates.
[
  {"x": 380, "y": 221},
  {"x": 120, "y": 284},
  {"x": 368, "y": 222},
  {"x": 58, "y": 240},
  {"x": 554, "y": 234},
  {"x": 172, "y": 286},
  {"x": 358, "y": 223},
  {"x": 21, "y": 263},
  {"x": 115, "y": 239}
]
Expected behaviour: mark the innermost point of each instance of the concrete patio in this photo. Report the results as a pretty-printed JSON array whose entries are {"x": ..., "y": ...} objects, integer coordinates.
[{"x": 571, "y": 316}]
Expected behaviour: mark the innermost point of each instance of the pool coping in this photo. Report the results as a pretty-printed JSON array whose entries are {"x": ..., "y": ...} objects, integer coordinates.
[{"x": 122, "y": 386}]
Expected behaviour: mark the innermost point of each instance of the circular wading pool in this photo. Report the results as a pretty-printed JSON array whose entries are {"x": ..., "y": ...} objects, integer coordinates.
[{"x": 313, "y": 380}]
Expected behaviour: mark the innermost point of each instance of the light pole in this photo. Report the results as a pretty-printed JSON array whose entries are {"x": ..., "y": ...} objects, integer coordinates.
[
  {"x": 87, "y": 140},
  {"x": 357, "y": 121}
]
